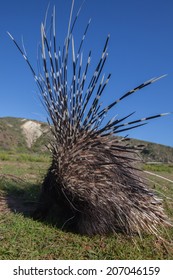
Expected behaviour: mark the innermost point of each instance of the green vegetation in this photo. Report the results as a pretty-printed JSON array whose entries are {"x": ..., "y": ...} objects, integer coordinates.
[
  {"x": 23, "y": 238},
  {"x": 159, "y": 167},
  {"x": 22, "y": 170},
  {"x": 11, "y": 135},
  {"x": 24, "y": 157}
]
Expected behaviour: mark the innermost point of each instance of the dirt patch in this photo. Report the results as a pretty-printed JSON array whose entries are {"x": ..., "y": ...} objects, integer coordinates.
[{"x": 32, "y": 131}]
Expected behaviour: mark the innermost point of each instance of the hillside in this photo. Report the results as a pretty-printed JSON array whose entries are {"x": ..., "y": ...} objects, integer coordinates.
[
  {"x": 22, "y": 135},
  {"x": 153, "y": 152}
]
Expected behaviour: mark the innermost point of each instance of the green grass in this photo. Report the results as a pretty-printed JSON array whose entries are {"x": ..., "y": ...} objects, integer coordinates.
[
  {"x": 24, "y": 157},
  {"x": 23, "y": 238},
  {"x": 159, "y": 167},
  {"x": 4, "y": 156}
]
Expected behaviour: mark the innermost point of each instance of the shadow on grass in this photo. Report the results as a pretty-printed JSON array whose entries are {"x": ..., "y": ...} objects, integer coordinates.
[
  {"x": 18, "y": 196},
  {"x": 22, "y": 197}
]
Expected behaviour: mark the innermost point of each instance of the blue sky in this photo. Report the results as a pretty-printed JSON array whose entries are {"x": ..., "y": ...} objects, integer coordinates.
[{"x": 140, "y": 48}]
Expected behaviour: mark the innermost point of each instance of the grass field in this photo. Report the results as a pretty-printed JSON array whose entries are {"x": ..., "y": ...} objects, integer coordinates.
[{"x": 23, "y": 238}]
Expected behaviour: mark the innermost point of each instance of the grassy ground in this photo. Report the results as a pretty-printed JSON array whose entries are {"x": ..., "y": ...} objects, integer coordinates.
[{"x": 23, "y": 238}]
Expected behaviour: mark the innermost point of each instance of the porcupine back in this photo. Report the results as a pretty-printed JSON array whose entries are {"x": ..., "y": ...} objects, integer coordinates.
[{"x": 93, "y": 179}]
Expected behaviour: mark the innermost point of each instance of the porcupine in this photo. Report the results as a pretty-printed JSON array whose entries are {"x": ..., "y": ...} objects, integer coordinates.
[{"x": 93, "y": 180}]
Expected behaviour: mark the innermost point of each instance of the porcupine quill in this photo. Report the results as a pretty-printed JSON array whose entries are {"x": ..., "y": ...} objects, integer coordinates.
[{"x": 93, "y": 180}]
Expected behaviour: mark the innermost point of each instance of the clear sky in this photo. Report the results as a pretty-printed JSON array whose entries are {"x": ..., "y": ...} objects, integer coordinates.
[{"x": 140, "y": 48}]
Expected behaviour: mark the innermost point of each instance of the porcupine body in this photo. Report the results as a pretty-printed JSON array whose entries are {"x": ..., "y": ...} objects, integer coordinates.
[{"x": 93, "y": 180}]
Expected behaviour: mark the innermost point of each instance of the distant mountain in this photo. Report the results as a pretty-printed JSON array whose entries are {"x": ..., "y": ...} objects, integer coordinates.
[
  {"x": 23, "y": 135},
  {"x": 153, "y": 152}
]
